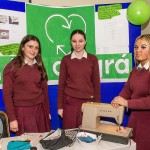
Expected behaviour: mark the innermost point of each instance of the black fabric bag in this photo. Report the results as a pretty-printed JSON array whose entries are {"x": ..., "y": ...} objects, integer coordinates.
[{"x": 65, "y": 139}]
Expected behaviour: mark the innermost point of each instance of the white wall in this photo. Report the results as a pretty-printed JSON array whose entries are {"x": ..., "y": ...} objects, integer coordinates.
[{"x": 144, "y": 29}]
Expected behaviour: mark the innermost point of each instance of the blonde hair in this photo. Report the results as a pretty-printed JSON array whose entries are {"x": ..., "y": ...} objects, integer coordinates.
[{"x": 145, "y": 37}]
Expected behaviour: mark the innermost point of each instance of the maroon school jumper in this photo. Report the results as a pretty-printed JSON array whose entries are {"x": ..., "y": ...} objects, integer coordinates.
[
  {"x": 137, "y": 92},
  {"x": 79, "y": 82},
  {"x": 26, "y": 98}
]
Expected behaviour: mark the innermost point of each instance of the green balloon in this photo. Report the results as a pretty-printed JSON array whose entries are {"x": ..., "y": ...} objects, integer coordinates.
[{"x": 138, "y": 12}]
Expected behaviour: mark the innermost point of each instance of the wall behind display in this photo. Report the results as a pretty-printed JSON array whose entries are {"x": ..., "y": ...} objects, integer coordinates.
[{"x": 144, "y": 28}]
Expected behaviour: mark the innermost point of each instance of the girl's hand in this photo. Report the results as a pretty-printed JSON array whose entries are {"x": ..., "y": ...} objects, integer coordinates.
[
  {"x": 119, "y": 101},
  {"x": 60, "y": 112},
  {"x": 14, "y": 126}
]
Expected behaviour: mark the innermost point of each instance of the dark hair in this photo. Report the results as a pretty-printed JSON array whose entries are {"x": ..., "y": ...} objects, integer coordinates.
[
  {"x": 19, "y": 59},
  {"x": 77, "y": 31}
]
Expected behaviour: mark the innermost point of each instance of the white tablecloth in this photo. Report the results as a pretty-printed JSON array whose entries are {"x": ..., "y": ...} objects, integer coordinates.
[{"x": 103, "y": 145}]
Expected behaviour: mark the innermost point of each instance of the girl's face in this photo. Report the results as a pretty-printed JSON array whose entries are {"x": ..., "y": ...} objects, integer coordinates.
[
  {"x": 30, "y": 50},
  {"x": 78, "y": 42},
  {"x": 141, "y": 51}
]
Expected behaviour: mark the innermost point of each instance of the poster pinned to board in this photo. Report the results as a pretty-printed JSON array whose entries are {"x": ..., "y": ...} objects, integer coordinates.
[{"x": 12, "y": 30}]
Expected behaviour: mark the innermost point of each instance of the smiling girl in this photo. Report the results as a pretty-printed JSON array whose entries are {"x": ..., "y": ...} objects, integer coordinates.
[
  {"x": 79, "y": 81},
  {"x": 25, "y": 89},
  {"x": 136, "y": 94}
]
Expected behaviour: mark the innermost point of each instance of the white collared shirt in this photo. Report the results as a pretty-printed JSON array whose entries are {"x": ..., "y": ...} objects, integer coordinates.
[
  {"x": 73, "y": 55},
  {"x": 146, "y": 66},
  {"x": 34, "y": 62}
]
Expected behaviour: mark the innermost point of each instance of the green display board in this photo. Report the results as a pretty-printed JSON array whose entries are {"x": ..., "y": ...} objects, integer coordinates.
[{"x": 53, "y": 26}]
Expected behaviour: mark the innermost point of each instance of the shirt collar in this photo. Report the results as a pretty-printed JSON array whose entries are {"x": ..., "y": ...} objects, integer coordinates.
[
  {"x": 146, "y": 66},
  {"x": 34, "y": 62},
  {"x": 74, "y": 56}
]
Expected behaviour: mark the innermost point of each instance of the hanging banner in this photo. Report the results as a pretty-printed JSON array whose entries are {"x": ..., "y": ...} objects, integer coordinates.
[{"x": 54, "y": 25}]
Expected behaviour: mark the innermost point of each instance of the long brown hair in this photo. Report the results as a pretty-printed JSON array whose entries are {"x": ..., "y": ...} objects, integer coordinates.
[
  {"x": 145, "y": 37},
  {"x": 19, "y": 59}
]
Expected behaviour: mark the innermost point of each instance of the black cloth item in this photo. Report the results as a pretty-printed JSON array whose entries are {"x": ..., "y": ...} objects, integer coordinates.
[{"x": 60, "y": 142}]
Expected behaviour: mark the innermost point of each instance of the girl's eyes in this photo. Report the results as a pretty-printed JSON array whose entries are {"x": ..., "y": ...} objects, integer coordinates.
[
  {"x": 77, "y": 41},
  {"x": 30, "y": 46},
  {"x": 142, "y": 47}
]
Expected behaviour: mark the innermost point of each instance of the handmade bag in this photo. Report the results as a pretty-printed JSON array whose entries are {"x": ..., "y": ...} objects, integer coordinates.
[{"x": 58, "y": 139}]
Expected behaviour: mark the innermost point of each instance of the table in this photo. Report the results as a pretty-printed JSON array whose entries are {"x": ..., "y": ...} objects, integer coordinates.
[{"x": 103, "y": 145}]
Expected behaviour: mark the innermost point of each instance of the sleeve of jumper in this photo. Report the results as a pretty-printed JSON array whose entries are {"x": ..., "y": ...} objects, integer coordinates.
[
  {"x": 8, "y": 83},
  {"x": 44, "y": 86},
  {"x": 142, "y": 103},
  {"x": 62, "y": 83},
  {"x": 126, "y": 91},
  {"x": 96, "y": 80}
]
